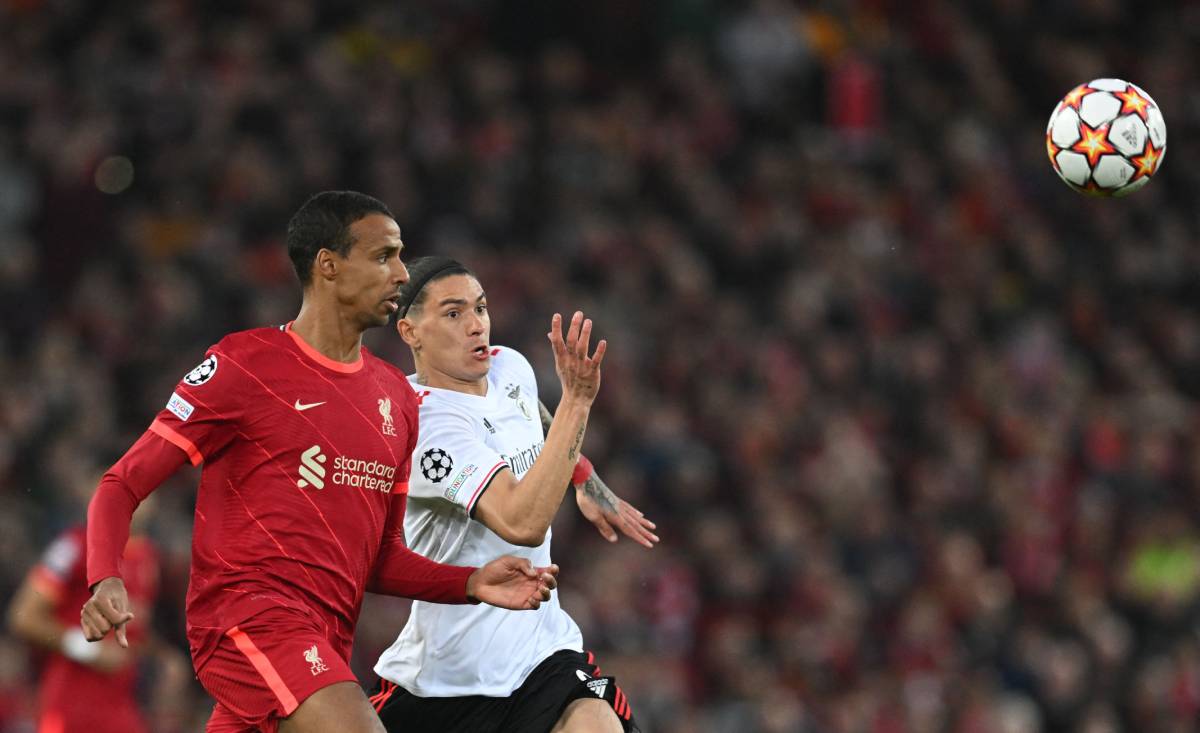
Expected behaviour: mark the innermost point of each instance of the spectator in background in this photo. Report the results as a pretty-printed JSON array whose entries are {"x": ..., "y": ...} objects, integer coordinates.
[{"x": 79, "y": 679}]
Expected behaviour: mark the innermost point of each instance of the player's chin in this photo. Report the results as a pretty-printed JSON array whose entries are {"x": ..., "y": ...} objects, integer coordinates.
[
  {"x": 379, "y": 317},
  {"x": 477, "y": 369}
]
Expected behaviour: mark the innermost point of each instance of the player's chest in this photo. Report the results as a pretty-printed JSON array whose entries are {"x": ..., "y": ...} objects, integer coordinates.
[
  {"x": 517, "y": 439},
  {"x": 334, "y": 436}
]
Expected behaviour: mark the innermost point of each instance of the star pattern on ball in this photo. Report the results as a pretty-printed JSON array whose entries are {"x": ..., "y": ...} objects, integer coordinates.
[
  {"x": 1052, "y": 151},
  {"x": 1093, "y": 143},
  {"x": 1132, "y": 101},
  {"x": 1146, "y": 163},
  {"x": 1075, "y": 97}
]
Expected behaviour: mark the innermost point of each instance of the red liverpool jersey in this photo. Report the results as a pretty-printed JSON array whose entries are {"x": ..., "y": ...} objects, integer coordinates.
[
  {"x": 304, "y": 459},
  {"x": 70, "y": 693}
]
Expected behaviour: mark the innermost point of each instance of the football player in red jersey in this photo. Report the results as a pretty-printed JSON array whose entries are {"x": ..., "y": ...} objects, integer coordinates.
[
  {"x": 305, "y": 439},
  {"x": 78, "y": 678}
]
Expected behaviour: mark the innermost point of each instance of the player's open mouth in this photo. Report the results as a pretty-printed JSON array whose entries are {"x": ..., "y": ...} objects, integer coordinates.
[
  {"x": 393, "y": 303},
  {"x": 480, "y": 352}
]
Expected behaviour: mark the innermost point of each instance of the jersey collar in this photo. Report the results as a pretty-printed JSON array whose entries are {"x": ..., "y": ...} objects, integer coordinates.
[{"x": 325, "y": 361}]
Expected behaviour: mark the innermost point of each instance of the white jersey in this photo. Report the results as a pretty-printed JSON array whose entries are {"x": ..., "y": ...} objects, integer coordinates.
[{"x": 464, "y": 440}]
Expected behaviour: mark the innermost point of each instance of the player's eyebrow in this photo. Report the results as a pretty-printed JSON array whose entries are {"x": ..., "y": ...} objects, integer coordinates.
[{"x": 460, "y": 301}]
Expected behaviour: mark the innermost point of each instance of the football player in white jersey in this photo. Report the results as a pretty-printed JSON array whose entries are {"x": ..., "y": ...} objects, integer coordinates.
[{"x": 487, "y": 481}]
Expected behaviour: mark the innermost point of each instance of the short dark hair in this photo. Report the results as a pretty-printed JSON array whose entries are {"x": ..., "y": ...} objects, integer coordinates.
[
  {"x": 421, "y": 272},
  {"x": 323, "y": 222}
]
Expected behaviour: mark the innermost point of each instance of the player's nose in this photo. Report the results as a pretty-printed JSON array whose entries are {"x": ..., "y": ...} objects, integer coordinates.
[{"x": 399, "y": 272}]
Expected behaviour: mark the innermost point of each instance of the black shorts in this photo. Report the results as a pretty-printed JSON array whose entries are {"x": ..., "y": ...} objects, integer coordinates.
[{"x": 534, "y": 707}]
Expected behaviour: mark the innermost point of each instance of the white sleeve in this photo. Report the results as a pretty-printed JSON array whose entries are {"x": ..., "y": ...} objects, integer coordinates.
[{"x": 452, "y": 461}]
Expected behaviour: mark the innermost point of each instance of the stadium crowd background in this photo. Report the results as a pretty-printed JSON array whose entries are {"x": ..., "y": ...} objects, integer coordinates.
[{"x": 917, "y": 423}]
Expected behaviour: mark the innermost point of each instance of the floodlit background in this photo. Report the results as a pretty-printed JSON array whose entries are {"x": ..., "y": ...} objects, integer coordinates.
[{"x": 918, "y": 424}]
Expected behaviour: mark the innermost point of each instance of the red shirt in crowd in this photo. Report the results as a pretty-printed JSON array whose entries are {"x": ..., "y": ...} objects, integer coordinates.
[{"x": 70, "y": 693}]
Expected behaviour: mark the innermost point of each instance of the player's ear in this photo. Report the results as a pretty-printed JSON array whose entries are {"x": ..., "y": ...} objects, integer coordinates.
[
  {"x": 326, "y": 264},
  {"x": 408, "y": 333}
]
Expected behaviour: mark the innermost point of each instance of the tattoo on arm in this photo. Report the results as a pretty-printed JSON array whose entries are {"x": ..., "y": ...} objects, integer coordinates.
[
  {"x": 547, "y": 418},
  {"x": 573, "y": 453},
  {"x": 598, "y": 492}
]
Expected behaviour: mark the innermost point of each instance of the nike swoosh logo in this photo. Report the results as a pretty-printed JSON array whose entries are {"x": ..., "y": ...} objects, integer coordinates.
[{"x": 301, "y": 407}]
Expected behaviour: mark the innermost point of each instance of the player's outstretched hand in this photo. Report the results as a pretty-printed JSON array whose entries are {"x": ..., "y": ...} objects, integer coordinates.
[
  {"x": 107, "y": 609},
  {"x": 578, "y": 372},
  {"x": 609, "y": 513},
  {"x": 513, "y": 583}
]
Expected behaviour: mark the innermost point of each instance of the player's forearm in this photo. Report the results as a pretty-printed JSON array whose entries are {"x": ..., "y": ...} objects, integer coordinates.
[
  {"x": 401, "y": 572},
  {"x": 596, "y": 490},
  {"x": 34, "y": 621},
  {"x": 31, "y": 617},
  {"x": 109, "y": 516},
  {"x": 536, "y": 498}
]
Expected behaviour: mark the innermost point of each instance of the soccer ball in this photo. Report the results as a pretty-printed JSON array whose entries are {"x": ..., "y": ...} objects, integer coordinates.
[{"x": 1106, "y": 138}]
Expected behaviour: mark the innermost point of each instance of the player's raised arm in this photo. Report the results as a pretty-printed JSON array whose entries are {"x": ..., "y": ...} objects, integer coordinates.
[{"x": 520, "y": 512}]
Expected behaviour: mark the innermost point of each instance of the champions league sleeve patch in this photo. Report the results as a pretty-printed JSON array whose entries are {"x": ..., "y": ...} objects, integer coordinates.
[
  {"x": 202, "y": 373},
  {"x": 436, "y": 464}
]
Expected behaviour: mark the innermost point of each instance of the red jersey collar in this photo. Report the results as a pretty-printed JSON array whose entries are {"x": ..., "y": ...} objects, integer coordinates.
[{"x": 325, "y": 361}]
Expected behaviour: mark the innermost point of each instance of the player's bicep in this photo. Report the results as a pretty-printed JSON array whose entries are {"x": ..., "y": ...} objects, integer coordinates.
[{"x": 491, "y": 508}]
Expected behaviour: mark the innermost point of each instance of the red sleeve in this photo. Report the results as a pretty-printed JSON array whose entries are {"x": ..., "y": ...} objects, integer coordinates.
[
  {"x": 401, "y": 572},
  {"x": 202, "y": 414},
  {"x": 143, "y": 467}
]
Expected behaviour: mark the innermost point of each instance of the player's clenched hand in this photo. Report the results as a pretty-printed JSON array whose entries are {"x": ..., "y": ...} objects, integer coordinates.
[
  {"x": 513, "y": 583},
  {"x": 107, "y": 609},
  {"x": 578, "y": 372}
]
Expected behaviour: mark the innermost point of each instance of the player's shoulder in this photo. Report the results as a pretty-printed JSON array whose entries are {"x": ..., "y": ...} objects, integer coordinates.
[
  {"x": 392, "y": 378},
  {"x": 76, "y": 533},
  {"x": 509, "y": 360},
  {"x": 252, "y": 341},
  {"x": 251, "y": 350},
  {"x": 442, "y": 407},
  {"x": 433, "y": 401},
  {"x": 384, "y": 368},
  {"x": 66, "y": 550}
]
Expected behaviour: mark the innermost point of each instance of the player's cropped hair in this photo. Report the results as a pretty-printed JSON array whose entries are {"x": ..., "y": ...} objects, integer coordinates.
[
  {"x": 421, "y": 272},
  {"x": 324, "y": 222}
]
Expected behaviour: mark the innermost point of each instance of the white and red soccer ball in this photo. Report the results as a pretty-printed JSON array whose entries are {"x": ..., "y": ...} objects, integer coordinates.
[{"x": 1106, "y": 138}]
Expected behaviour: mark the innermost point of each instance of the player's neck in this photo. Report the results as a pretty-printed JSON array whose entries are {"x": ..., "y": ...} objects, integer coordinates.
[
  {"x": 432, "y": 378},
  {"x": 329, "y": 333}
]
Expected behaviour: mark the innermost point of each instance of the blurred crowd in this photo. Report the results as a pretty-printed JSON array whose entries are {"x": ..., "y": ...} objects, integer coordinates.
[{"x": 917, "y": 423}]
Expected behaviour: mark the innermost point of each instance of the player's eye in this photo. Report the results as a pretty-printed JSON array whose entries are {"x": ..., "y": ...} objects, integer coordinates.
[
  {"x": 481, "y": 309},
  {"x": 383, "y": 258},
  {"x": 452, "y": 314}
]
